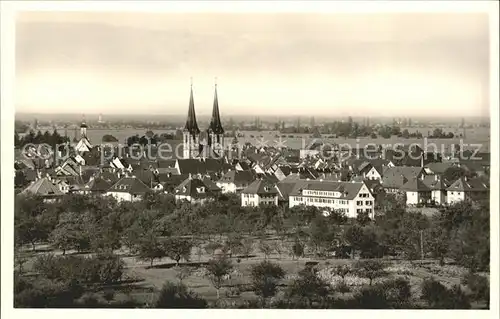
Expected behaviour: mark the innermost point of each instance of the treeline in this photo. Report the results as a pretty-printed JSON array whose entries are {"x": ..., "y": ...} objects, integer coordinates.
[
  {"x": 153, "y": 138},
  {"x": 48, "y": 138}
]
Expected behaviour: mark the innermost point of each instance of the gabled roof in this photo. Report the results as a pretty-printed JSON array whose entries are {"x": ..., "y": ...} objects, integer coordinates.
[
  {"x": 397, "y": 176},
  {"x": 348, "y": 190},
  {"x": 468, "y": 185},
  {"x": 98, "y": 185},
  {"x": 238, "y": 177},
  {"x": 415, "y": 185},
  {"x": 286, "y": 187},
  {"x": 438, "y": 168},
  {"x": 193, "y": 187},
  {"x": 435, "y": 182},
  {"x": 261, "y": 187},
  {"x": 43, "y": 187},
  {"x": 203, "y": 166},
  {"x": 211, "y": 186},
  {"x": 130, "y": 185}
]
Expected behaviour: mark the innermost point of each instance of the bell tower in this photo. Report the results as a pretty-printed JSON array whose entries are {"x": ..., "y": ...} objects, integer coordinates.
[
  {"x": 215, "y": 131},
  {"x": 191, "y": 133}
]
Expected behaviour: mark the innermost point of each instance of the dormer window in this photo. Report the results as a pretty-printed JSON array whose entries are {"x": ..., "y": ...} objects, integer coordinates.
[
  {"x": 200, "y": 189},
  {"x": 184, "y": 189}
]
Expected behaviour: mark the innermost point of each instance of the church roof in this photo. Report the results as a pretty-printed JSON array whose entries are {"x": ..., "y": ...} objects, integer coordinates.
[
  {"x": 215, "y": 123},
  {"x": 191, "y": 124}
]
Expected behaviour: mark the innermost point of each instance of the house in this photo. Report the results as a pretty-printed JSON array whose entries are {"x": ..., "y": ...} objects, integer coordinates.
[
  {"x": 43, "y": 187},
  {"x": 417, "y": 192},
  {"x": 395, "y": 177},
  {"x": 376, "y": 169},
  {"x": 467, "y": 189},
  {"x": 350, "y": 198},
  {"x": 97, "y": 185},
  {"x": 438, "y": 186},
  {"x": 260, "y": 192},
  {"x": 193, "y": 190},
  {"x": 128, "y": 189},
  {"x": 235, "y": 181}
]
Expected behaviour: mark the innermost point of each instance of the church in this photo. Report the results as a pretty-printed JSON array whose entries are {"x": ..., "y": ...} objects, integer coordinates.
[{"x": 213, "y": 145}]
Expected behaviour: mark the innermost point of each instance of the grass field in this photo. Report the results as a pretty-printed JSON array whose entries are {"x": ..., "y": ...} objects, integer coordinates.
[{"x": 141, "y": 281}]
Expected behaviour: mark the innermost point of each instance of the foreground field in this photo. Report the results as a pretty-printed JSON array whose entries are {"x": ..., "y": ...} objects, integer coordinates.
[{"x": 141, "y": 281}]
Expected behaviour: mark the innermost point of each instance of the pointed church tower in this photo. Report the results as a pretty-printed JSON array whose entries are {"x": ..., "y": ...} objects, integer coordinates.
[
  {"x": 191, "y": 134},
  {"x": 215, "y": 131}
]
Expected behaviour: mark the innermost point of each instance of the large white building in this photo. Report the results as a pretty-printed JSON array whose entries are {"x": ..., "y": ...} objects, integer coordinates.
[{"x": 350, "y": 198}]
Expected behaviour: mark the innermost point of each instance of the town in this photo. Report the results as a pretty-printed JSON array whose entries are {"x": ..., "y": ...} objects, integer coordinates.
[
  {"x": 261, "y": 156},
  {"x": 226, "y": 202}
]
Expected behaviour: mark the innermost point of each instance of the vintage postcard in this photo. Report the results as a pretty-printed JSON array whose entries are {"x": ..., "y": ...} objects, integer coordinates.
[{"x": 250, "y": 155}]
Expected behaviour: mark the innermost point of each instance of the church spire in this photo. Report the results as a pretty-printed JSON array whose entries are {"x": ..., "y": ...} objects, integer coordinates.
[
  {"x": 215, "y": 123},
  {"x": 191, "y": 124}
]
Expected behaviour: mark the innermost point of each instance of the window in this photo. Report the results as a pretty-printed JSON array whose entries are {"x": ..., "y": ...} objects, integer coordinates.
[
  {"x": 359, "y": 202},
  {"x": 368, "y": 210},
  {"x": 359, "y": 210},
  {"x": 368, "y": 202}
]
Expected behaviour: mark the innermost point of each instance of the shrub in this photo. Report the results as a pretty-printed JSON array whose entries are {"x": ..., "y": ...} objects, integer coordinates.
[
  {"x": 438, "y": 296},
  {"x": 174, "y": 295}
]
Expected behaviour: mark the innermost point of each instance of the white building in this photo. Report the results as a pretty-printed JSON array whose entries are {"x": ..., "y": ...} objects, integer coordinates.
[
  {"x": 467, "y": 189},
  {"x": 260, "y": 192},
  {"x": 235, "y": 181},
  {"x": 350, "y": 198},
  {"x": 193, "y": 190}
]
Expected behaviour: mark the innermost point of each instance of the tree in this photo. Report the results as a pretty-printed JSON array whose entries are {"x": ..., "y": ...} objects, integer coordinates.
[
  {"x": 438, "y": 296},
  {"x": 184, "y": 272},
  {"x": 233, "y": 244},
  {"x": 265, "y": 248},
  {"x": 437, "y": 241},
  {"x": 177, "y": 249},
  {"x": 363, "y": 219},
  {"x": 217, "y": 270},
  {"x": 479, "y": 287},
  {"x": 370, "y": 269},
  {"x": 397, "y": 292},
  {"x": 265, "y": 278},
  {"x": 405, "y": 134},
  {"x": 321, "y": 234},
  {"x": 150, "y": 248},
  {"x": 297, "y": 250},
  {"x": 277, "y": 246},
  {"x": 308, "y": 286},
  {"x": 247, "y": 246},
  {"x": 174, "y": 295}
]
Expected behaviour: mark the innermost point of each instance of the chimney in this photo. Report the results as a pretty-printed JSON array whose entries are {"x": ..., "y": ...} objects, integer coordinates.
[
  {"x": 190, "y": 176},
  {"x": 436, "y": 177}
]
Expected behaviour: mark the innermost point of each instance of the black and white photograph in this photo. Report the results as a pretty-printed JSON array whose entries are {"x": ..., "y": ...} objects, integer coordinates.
[{"x": 246, "y": 156}]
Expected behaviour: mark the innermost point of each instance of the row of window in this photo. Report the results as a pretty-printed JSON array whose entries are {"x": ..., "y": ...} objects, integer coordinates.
[
  {"x": 368, "y": 210},
  {"x": 321, "y": 200},
  {"x": 360, "y": 202},
  {"x": 322, "y": 193},
  {"x": 364, "y": 195}
]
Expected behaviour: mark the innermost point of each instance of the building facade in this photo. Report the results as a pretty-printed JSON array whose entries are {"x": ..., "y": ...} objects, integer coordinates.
[{"x": 350, "y": 198}]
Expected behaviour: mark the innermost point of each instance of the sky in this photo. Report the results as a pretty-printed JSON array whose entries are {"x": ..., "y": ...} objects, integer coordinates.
[{"x": 276, "y": 63}]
